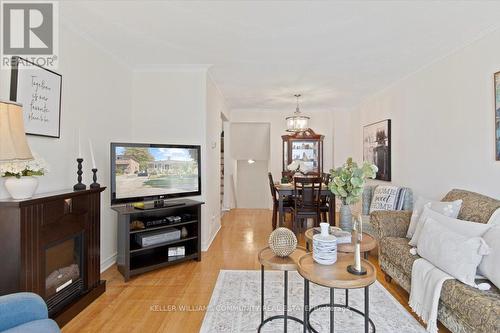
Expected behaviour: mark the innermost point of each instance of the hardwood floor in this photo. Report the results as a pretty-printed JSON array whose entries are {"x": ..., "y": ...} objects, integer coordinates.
[{"x": 151, "y": 302}]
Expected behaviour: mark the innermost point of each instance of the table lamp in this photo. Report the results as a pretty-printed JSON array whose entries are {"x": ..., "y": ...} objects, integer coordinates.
[{"x": 13, "y": 144}]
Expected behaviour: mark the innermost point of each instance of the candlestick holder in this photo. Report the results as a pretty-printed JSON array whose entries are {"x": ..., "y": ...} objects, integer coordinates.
[
  {"x": 357, "y": 268},
  {"x": 79, "y": 186},
  {"x": 95, "y": 184}
]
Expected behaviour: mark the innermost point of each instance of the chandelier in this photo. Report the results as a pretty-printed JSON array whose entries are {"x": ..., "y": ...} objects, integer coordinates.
[{"x": 297, "y": 122}]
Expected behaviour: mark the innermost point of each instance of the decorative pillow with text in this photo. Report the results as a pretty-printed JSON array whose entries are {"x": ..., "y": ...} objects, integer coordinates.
[{"x": 386, "y": 197}]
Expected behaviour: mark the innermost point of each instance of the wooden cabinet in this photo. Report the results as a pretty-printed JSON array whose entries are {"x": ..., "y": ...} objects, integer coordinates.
[
  {"x": 304, "y": 146},
  {"x": 50, "y": 245}
]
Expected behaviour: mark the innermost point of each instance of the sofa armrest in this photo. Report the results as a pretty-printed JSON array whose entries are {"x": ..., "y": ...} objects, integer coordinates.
[
  {"x": 391, "y": 223},
  {"x": 17, "y": 309}
]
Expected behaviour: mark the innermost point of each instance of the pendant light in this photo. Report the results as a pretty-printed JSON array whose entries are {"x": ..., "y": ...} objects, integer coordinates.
[{"x": 297, "y": 122}]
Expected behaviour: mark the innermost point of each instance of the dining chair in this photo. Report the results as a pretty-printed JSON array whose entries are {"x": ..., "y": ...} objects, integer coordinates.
[
  {"x": 287, "y": 203},
  {"x": 324, "y": 206},
  {"x": 307, "y": 192}
]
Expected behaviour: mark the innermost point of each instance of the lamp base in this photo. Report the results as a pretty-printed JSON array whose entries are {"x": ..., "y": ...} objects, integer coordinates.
[
  {"x": 351, "y": 269},
  {"x": 95, "y": 185}
]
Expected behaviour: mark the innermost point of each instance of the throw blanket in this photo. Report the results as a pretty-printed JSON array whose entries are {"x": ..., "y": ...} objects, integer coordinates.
[{"x": 426, "y": 283}]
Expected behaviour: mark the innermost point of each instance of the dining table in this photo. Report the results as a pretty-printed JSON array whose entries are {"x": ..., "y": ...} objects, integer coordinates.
[{"x": 285, "y": 190}]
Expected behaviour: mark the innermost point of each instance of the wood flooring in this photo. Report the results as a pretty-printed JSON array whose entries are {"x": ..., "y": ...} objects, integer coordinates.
[{"x": 173, "y": 299}]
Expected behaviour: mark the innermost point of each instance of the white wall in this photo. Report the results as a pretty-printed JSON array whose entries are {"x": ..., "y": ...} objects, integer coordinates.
[
  {"x": 96, "y": 98},
  {"x": 215, "y": 108},
  {"x": 181, "y": 105},
  {"x": 252, "y": 183},
  {"x": 442, "y": 123}
]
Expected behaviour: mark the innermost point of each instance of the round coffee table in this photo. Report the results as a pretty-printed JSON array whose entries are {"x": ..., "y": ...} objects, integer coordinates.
[
  {"x": 334, "y": 277},
  {"x": 268, "y": 259},
  {"x": 368, "y": 243}
]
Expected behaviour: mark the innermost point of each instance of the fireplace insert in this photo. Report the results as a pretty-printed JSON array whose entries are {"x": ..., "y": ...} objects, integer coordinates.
[{"x": 63, "y": 272}]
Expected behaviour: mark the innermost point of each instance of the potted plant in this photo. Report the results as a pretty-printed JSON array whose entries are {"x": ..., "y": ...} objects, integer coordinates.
[
  {"x": 21, "y": 181},
  {"x": 347, "y": 183}
]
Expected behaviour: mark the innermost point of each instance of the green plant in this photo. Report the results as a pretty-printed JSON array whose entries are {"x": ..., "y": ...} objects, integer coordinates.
[{"x": 347, "y": 182}]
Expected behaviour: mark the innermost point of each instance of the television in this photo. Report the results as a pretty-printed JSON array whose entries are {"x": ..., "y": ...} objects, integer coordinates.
[{"x": 145, "y": 172}]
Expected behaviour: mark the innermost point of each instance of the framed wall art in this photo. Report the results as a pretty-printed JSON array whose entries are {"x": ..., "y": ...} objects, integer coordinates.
[
  {"x": 377, "y": 147},
  {"x": 39, "y": 91}
]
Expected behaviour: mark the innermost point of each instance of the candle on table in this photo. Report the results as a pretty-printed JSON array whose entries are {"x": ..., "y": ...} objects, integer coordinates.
[
  {"x": 92, "y": 155},
  {"x": 79, "y": 146}
]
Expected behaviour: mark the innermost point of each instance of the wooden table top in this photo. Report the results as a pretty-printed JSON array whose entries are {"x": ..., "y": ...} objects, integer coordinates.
[
  {"x": 368, "y": 242},
  {"x": 268, "y": 259},
  {"x": 336, "y": 275}
]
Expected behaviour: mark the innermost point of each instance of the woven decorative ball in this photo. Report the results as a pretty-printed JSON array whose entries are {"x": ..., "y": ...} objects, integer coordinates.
[{"x": 282, "y": 242}]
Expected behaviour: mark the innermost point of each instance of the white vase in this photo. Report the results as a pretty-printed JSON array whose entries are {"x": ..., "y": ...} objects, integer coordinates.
[
  {"x": 325, "y": 246},
  {"x": 21, "y": 188}
]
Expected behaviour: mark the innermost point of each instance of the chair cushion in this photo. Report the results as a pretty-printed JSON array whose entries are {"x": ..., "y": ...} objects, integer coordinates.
[
  {"x": 479, "y": 309},
  {"x": 36, "y": 326},
  {"x": 397, "y": 251}
]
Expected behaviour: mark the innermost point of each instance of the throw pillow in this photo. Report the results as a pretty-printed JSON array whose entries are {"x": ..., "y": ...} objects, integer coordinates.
[
  {"x": 387, "y": 197},
  {"x": 451, "y": 252},
  {"x": 465, "y": 228},
  {"x": 450, "y": 209},
  {"x": 490, "y": 265}
]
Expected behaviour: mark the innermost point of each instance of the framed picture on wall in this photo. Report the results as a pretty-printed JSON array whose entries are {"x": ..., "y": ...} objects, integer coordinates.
[
  {"x": 377, "y": 147},
  {"x": 497, "y": 115},
  {"x": 39, "y": 91}
]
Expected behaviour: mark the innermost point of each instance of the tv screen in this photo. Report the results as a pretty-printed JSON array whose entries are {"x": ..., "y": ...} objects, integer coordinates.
[{"x": 141, "y": 172}]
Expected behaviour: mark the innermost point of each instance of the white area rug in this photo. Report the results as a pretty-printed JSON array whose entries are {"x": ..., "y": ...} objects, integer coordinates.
[{"x": 235, "y": 306}]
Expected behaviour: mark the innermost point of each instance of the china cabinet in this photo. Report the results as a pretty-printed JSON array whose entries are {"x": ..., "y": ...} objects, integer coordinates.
[{"x": 305, "y": 147}]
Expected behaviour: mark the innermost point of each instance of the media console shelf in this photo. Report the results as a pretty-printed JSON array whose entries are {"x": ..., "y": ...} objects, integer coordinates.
[{"x": 135, "y": 259}]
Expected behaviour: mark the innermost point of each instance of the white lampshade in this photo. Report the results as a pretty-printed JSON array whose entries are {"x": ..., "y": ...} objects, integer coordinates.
[{"x": 13, "y": 143}]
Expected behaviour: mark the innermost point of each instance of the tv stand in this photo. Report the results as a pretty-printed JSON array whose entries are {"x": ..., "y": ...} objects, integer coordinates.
[{"x": 132, "y": 259}]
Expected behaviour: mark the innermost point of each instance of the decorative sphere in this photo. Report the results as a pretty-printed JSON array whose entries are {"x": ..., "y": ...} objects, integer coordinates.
[{"x": 282, "y": 242}]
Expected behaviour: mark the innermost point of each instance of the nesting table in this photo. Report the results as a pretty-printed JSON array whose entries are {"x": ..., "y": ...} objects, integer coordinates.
[
  {"x": 268, "y": 259},
  {"x": 335, "y": 277}
]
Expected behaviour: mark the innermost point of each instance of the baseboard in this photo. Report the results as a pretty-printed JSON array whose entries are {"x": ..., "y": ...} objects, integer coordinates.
[
  {"x": 205, "y": 247},
  {"x": 108, "y": 262}
]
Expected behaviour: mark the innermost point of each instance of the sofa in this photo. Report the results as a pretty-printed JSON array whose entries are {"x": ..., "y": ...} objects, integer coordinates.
[
  {"x": 462, "y": 309},
  {"x": 25, "y": 313}
]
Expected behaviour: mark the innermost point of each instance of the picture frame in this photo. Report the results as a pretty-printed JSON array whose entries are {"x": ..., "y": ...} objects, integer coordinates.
[
  {"x": 496, "y": 91},
  {"x": 39, "y": 91},
  {"x": 377, "y": 147}
]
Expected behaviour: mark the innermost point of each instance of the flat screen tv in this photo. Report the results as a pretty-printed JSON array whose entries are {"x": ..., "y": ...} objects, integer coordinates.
[{"x": 144, "y": 172}]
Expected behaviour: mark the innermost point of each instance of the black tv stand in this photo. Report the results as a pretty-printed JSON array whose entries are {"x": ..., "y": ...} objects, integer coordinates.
[{"x": 133, "y": 259}]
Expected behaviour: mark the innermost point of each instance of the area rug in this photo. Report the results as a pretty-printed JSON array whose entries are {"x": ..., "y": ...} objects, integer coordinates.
[{"x": 235, "y": 306}]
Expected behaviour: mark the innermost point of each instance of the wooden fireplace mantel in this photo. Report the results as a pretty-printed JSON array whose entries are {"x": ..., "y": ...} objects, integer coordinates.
[{"x": 28, "y": 227}]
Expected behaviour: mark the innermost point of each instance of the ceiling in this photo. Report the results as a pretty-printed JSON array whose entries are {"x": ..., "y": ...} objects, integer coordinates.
[{"x": 262, "y": 52}]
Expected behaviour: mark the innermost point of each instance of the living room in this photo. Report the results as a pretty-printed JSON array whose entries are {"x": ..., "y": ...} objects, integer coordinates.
[{"x": 221, "y": 94}]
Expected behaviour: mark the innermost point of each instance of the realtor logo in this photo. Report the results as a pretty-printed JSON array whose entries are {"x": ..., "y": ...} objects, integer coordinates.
[{"x": 29, "y": 29}]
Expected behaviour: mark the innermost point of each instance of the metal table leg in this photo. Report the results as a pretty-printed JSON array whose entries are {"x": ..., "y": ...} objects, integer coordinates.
[
  {"x": 306, "y": 305},
  {"x": 347, "y": 298},
  {"x": 285, "y": 315},
  {"x": 332, "y": 309},
  {"x": 367, "y": 305},
  {"x": 261, "y": 294},
  {"x": 285, "y": 302}
]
